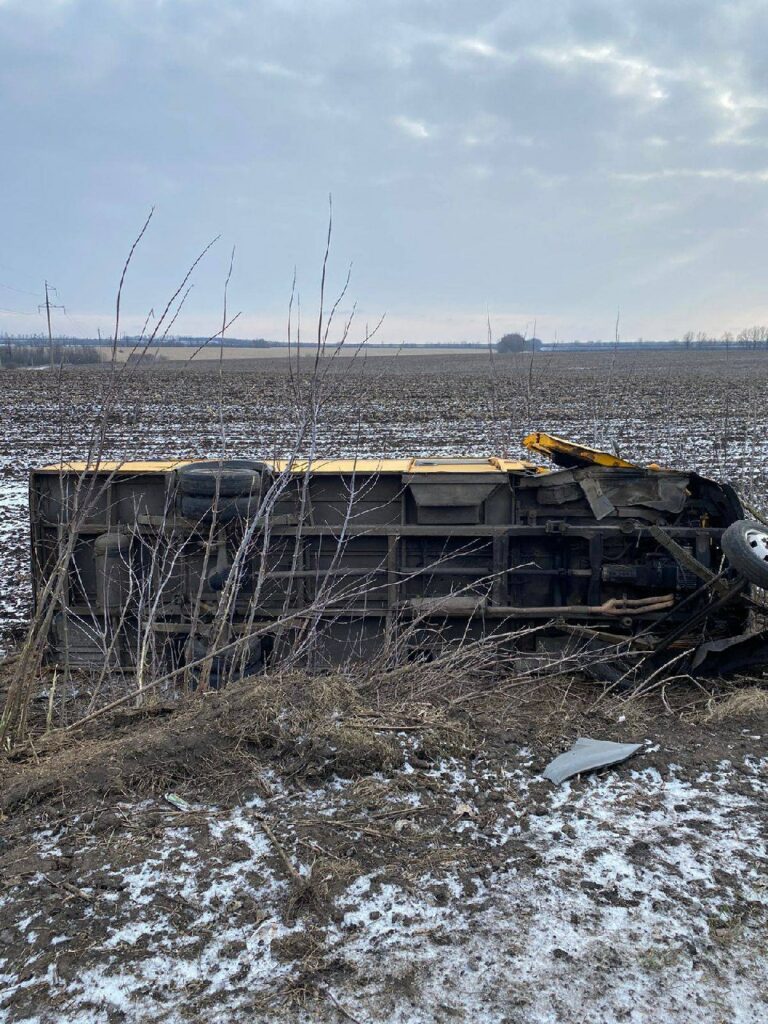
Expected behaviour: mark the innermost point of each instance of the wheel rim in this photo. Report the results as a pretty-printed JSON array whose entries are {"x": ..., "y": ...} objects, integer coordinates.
[{"x": 758, "y": 542}]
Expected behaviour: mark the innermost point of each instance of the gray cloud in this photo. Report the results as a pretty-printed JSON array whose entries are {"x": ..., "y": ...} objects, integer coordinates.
[{"x": 542, "y": 159}]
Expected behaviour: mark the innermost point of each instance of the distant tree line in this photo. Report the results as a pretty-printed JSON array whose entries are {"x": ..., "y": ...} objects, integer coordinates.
[
  {"x": 753, "y": 338},
  {"x": 14, "y": 355},
  {"x": 127, "y": 341},
  {"x": 750, "y": 338}
]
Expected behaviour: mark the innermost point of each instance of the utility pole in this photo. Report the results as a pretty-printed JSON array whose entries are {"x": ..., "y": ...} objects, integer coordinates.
[{"x": 48, "y": 306}]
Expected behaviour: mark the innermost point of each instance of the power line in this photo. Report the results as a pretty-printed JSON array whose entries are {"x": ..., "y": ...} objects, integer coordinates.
[
  {"x": 16, "y": 312},
  {"x": 12, "y": 287},
  {"x": 21, "y": 291},
  {"x": 79, "y": 325},
  {"x": 48, "y": 307}
]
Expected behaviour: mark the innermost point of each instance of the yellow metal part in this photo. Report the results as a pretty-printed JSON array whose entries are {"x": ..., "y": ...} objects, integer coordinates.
[
  {"x": 519, "y": 466},
  {"x": 300, "y": 466},
  {"x": 549, "y": 445},
  {"x": 401, "y": 466},
  {"x": 410, "y": 466},
  {"x": 115, "y": 467},
  {"x": 321, "y": 466}
]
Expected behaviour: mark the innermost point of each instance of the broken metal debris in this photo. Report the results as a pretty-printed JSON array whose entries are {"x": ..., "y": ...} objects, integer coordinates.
[
  {"x": 178, "y": 802},
  {"x": 586, "y": 755},
  {"x": 731, "y": 655}
]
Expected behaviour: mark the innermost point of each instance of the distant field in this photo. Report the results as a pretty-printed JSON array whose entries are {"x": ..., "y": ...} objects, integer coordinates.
[
  {"x": 213, "y": 352},
  {"x": 696, "y": 410}
]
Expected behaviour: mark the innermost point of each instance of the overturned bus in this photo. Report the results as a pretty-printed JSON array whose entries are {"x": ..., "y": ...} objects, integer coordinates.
[{"x": 224, "y": 566}]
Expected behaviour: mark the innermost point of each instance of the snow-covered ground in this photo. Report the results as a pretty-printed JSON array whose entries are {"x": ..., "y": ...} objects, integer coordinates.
[
  {"x": 14, "y": 557},
  {"x": 636, "y": 895}
]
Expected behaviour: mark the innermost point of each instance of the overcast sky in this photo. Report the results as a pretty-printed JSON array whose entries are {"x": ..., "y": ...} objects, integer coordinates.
[{"x": 540, "y": 161}]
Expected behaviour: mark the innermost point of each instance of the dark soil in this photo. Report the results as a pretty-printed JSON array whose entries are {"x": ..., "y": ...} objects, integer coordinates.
[{"x": 341, "y": 786}]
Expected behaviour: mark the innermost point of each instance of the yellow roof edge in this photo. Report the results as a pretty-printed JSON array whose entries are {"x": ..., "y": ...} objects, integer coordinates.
[
  {"x": 139, "y": 466},
  {"x": 437, "y": 465},
  {"x": 341, "y": 465}
]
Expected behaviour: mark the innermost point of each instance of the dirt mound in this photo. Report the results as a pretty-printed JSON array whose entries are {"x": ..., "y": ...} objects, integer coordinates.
[{"x": 313, "y": 726}]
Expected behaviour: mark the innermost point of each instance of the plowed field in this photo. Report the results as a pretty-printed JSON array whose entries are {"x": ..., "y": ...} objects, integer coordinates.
[{"x": 704, "y": 411}]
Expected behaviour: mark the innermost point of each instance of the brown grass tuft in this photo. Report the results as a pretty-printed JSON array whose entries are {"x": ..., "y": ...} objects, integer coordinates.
[{"x": 740, "y": 704}]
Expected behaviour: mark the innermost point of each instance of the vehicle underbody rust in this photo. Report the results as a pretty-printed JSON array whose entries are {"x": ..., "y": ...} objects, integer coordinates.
[{"x": 239, "y": 563}]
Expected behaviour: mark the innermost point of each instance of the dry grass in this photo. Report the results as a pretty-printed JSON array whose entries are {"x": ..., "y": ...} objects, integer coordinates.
[
  {"x": 315, "y": 726},
  {"x": 739, "y": 704}
]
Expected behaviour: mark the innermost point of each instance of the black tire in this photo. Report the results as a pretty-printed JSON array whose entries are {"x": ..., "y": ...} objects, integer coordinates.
[
  {"x": 745, "y": 545},
  {"x": 218, "y": 580},
  {"x": 227, "y": 511},
  {"x": 233, "y": 477}
]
